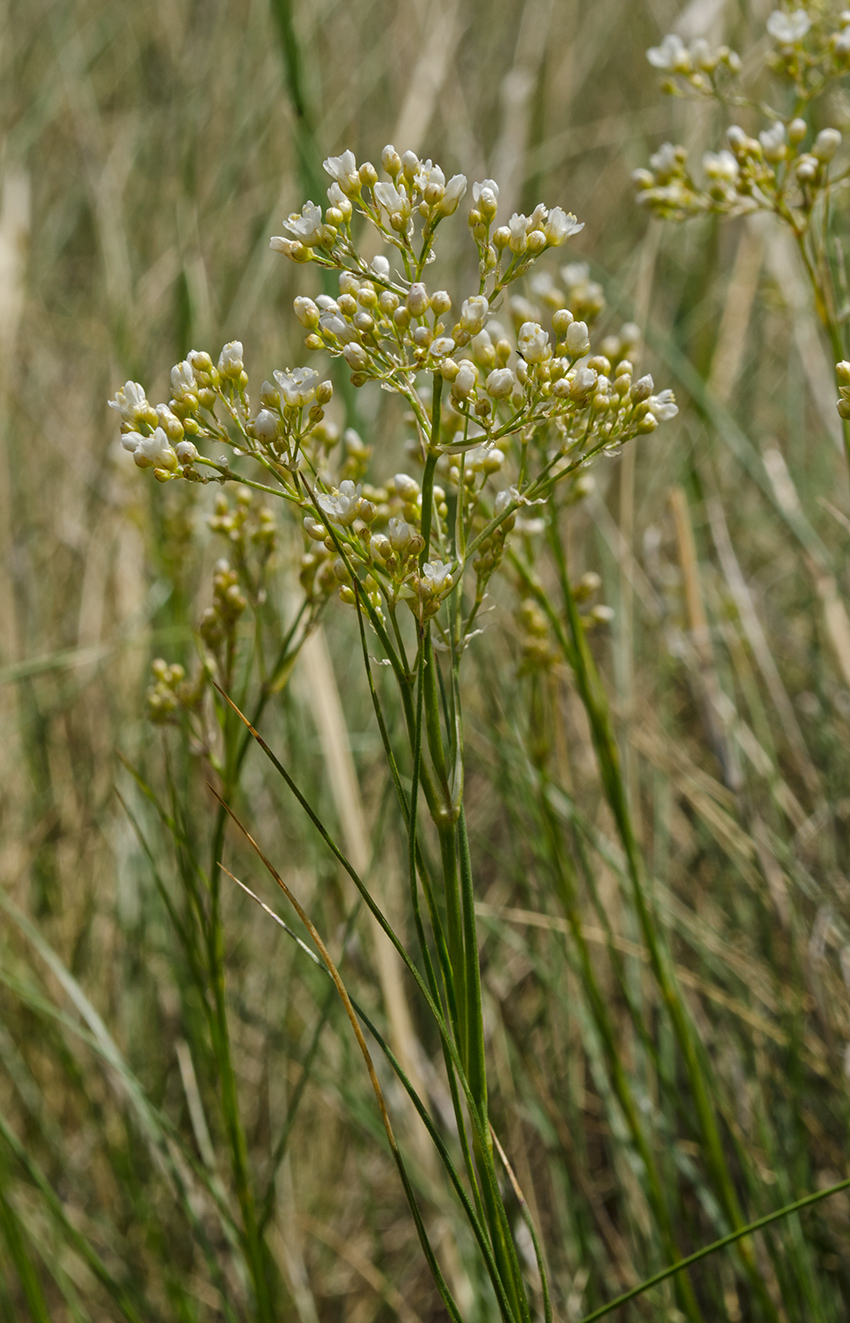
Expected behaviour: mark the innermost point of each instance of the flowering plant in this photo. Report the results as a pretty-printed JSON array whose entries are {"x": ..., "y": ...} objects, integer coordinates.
[
  {"x": 787, "y": 166},
  {"x": 508, "y": 404}
]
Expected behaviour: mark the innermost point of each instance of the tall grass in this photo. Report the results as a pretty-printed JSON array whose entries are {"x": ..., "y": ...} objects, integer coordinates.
[{"x": 656, "y": 818}]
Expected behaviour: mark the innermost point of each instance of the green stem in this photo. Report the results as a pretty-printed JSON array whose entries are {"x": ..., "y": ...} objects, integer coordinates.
[
  {"x": 716, "y": 1245},
  {"x": 594, "y": 700},
  {"x": 565, "y": 883}
]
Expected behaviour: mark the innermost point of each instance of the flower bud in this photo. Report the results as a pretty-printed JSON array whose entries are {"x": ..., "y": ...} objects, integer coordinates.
[
  {"x": 465, "y": 380},
  {"x": 577, "y": 339},
  {"x": 450, "y": 201},
  {"x": 642, "y": 389},
  {"x": 417, "y": 300},
  {"x": 797, "y": 130},
  {"x": 407, "y": 488},
  {"x": 186, "y": 452},
  {"x": 440, "y": 302},
  {"x": 307, "y": 313},
  {"x": 230, "y": 360},
  {"x": 826, "y": 145},
  {"x": 500, "y": 383},
  {"x": 842, "y": 371},
  {"x": 473, "y": 313},
  {"x": 391, "y": 161},
  {"x": 356, "y": 357},
  {"x": 265, "y": 425},
  {"x": 562, "y": 320}
]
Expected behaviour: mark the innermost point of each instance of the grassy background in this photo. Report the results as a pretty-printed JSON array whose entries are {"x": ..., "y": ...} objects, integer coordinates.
[{"x": 147, "y": 151}]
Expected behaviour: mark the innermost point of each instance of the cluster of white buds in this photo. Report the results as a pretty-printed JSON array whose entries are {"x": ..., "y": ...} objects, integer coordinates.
[
  {"x": 501, "y": 410},
  {"x": 219, "y": 621},
  {"x": 695, "y": 65},
  {"x": 167, "y": 437},
  {"x": 774, "y": 171},
  {"x": 171, "y": 694},
  {"x": 769, "y": 173}
]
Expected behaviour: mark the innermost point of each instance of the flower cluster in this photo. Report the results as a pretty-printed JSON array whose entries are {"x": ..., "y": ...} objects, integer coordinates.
[
  {"x": 505, "y": 394},
  {"x": 785, "y": 167},
  {"x": 773, "y": 172},
  {"x": 695, "y": 65}
]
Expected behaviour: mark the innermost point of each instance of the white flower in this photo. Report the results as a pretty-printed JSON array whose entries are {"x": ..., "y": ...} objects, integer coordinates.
[
  {"x": 664, "y": 161},
  {"x": 155, "y": 451},
  {"x": 436, "y": 578},
  {"x": 337, "y": 199},
  {"x": 577, "y": 338},
  {"x": 773, "y": 141},
  {"x": 341, "y": 506},
  {"x": 533, "y": 342},
  {"x": 343, "y": 170},
  {"x": 380, "y": 267},
  {"x": 500, "y": 383},
  {"x": 307, "y": 226},
  {"x": 182, "y": 380},
  {"x": 392, "y": 199},
  {"x": 441, "y": 346},
  {"x": 560, "y": 225},
  {"x": 788, "y": 28},
  {"x": 333, "y": 323},
  {"x": 230, "y": 359},
  {"x": 664, "y": 406},
  {"x": 486, "y": 192},
  {"x": 721, "y": 165},
  {"x": 265, "y": 425},
  {"x": 473, "y": 313},
  {"x": 465, "y": 380},
  {"x": 298, "y": 386},
  {"x": 400, "y": 534},
  {"x": 455, "y": 190},
  {"x": 671, "y": 55},
  {"x": 131, "y": 441},
  {"x": 130, "y": 401},
  {"x": 584, "y": 380},
  {"x": 518, "y": 226},
  {"x": 428, "y": 174}
]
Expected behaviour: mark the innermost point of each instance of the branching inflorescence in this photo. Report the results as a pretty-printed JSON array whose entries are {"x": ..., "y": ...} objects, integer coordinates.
[
  {"x": 503, "y": 409},
  {"x": 787, "y": 166}
]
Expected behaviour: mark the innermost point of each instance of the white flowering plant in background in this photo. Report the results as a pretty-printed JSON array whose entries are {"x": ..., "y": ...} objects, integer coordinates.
[
  {"x": 508, "y": 402},
  {"x": 782, "y": 159}
]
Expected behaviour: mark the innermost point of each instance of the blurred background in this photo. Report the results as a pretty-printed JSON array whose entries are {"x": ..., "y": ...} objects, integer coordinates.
[{"x": 147, "y": 153}]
